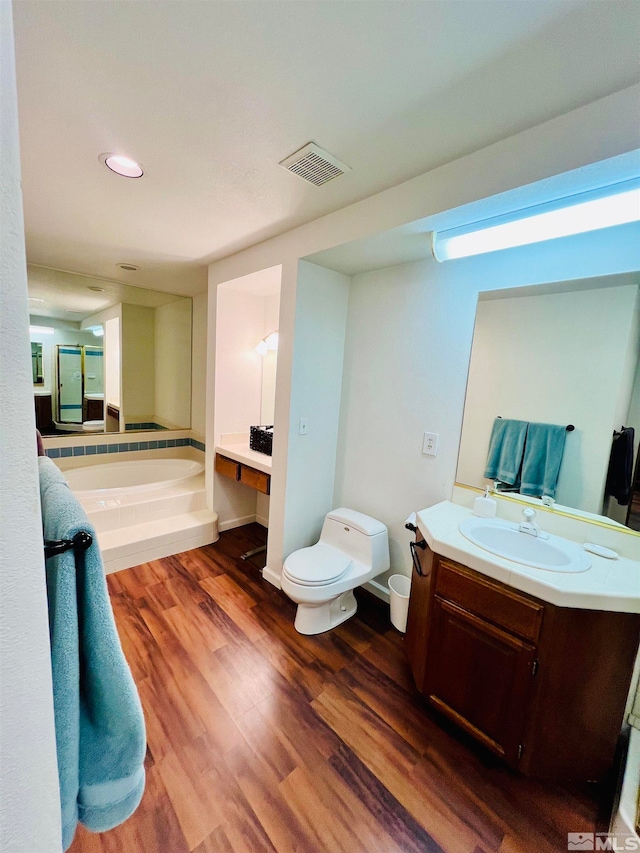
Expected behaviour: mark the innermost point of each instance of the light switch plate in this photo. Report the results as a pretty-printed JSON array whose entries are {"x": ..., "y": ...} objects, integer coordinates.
[{"x": 430, "y": 444}]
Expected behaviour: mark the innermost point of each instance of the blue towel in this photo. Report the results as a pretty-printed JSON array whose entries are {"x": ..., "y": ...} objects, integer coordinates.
[
  {"x": 506, "y": 447},
  {"x": 100, "y": 734},
  {"x": 541, "y": 461}
]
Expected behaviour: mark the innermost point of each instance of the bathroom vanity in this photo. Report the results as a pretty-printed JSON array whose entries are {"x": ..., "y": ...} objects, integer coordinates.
[{"x": 540, "y": 679}]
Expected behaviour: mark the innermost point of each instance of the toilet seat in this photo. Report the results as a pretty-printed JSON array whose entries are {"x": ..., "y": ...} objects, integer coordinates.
[{"x": 316, "y": 566}]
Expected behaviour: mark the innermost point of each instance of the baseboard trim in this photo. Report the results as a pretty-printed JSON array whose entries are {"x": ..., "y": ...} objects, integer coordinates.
[
  {"x": 262, "y": 520},
  {"x": 377, "y": 589},
  {"x": 272, "y": 576},
  {"x": 236, "y": 522}
]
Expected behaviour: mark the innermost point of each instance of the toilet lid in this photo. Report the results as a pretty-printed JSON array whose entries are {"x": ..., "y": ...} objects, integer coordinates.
[{"x": 320, "y": 564}]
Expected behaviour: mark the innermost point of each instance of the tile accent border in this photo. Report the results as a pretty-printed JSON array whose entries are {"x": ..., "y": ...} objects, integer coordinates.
[
  {"x": 122, "y": 447},
  {"x": 146, "y": 425}
]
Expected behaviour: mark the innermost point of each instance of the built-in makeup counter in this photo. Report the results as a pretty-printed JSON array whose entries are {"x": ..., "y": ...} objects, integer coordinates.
[
  {"x": 243, "y": 453},
  {"x": 248, "y": 467}
]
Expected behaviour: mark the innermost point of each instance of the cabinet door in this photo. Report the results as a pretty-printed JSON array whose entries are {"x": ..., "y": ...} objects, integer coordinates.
[
  {"x": 417, "y": 620},
  {"x": 479, "y": 676}
]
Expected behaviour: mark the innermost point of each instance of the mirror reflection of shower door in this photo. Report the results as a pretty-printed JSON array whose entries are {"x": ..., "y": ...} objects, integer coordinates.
[{"x": 69, "y": 384}]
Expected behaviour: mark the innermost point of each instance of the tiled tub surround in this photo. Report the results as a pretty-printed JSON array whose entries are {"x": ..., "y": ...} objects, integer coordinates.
[
  {"x": 89, "y": 447},
  {"x": 136, "y": 526}
]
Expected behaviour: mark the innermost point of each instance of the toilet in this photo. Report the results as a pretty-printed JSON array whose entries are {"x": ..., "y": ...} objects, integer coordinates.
[{"x": 353, "y": 548}]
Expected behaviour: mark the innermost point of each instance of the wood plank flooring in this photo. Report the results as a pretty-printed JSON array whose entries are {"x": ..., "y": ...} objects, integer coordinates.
[{"x": 260, "y": 739}]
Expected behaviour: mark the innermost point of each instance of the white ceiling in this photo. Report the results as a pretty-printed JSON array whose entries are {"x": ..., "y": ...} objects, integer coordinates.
[
  {"x": 67, "y": 296},
  {"x": 210, "y": 96}
]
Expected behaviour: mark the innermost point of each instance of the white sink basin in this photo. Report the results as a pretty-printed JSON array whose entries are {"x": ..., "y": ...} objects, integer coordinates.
[{"x": 504, "y": 539}]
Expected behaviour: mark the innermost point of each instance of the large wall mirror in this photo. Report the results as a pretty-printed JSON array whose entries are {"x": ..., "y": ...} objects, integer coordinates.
[
  {"x": 107, "y": 357},
  {"x": 562, "y": 354}
]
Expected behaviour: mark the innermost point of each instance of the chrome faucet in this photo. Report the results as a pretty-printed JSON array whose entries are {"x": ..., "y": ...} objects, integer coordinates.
[{"x": 529, "y": 525}]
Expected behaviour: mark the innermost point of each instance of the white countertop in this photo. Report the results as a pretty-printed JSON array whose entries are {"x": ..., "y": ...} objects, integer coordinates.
[
  {"x": 612, "y": 585},
  {"x": 243, "y": 453}
]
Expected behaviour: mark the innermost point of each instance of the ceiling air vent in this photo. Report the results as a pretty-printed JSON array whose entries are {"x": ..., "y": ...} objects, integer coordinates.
[{"x": 314, "y": 165}]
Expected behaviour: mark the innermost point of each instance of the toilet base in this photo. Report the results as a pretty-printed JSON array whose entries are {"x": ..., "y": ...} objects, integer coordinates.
[{"x": 317, "y": 618}]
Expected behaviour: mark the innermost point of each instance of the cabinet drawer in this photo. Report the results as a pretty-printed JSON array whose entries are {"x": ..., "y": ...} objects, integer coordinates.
[
  {"x": 227, "y": 467},
  {"x": 256, "y": 479},
  {"x": 495, "y": 603}
]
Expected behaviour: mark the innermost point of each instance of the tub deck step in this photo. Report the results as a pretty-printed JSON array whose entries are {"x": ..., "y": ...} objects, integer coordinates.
[{"x": 150, "y": 540}]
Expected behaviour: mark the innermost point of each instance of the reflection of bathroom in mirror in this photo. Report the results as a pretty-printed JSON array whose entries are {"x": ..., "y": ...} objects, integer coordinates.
[
  {"x": 36, "y": 363},
  {"x": 247, "y": 318},
  {"x": 563, "y": 354},
  {"x": 269, "y": 367},
  {"x": 111, "y": 357}
]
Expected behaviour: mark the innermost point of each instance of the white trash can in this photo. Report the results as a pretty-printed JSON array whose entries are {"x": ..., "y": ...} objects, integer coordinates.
[{"x": 399, "y": 588}]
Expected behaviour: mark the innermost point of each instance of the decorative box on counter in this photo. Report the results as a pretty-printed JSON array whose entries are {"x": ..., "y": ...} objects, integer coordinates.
[{"x": 261, "y": 439}]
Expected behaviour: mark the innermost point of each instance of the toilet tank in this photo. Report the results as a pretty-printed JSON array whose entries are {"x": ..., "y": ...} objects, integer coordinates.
[{"x": 361, "y": 537}]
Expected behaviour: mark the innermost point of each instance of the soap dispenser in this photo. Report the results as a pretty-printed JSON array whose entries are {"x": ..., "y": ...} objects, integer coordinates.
[{"x": 485, "y": 507}]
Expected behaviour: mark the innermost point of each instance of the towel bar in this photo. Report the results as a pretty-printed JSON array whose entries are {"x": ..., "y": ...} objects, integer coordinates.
[
  {"x": 81, "y": 541},
  {"x": 569, "y": 427}
]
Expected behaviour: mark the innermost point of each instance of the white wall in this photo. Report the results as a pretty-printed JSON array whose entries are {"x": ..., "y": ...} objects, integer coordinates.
[
  {"x": 112, "y": 362},
  {"x": 409, "y": 333},
  {"x": 199, "y": 364},
  {"x": 29, "y": 796},
  {"x": 137, "y": 341},
  {"x": 316, "y": 381},
  {"x": 552, "y": 358},
  {"x": 579, "y": 140},
  {"x": 238, "y": 382},
  {"x": 173, "y": 347},
  {"x": 270, "y": 360}
]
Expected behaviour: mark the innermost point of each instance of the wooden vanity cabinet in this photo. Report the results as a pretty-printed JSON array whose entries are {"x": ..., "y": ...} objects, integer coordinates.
[
  {"x": 542, "y": 686},
  {"x": 44, "y": 412}
]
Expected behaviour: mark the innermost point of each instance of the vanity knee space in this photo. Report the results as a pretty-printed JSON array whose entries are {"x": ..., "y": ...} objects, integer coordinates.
[{"x": 542, "y": 686}]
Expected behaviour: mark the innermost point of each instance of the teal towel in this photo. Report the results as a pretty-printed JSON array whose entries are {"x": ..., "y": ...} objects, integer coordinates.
[
  {"x": 542, "y": 458},
  {"x": 506, "y": 447},
  {"x": 100, "y": 734}
]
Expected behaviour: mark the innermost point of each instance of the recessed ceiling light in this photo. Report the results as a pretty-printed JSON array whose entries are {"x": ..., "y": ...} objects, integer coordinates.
[
  {"x": 128, "y": 267},
  {"x": 95, "y": 289},
  {"x": 121, "y": 165}
]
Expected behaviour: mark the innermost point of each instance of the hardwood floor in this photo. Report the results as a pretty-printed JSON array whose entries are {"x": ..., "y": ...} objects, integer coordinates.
[{"x": 260, "y": 739}]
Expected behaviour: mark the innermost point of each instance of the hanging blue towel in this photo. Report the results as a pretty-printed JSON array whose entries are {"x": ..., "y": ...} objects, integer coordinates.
[
  {"x": 541, "y": 461},
  {"x": 100, "y": 735},
  {"x": 506, "y": 447}
]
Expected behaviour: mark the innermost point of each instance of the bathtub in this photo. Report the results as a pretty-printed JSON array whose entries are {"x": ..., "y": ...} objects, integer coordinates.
[{"x": 112, "y": 479}]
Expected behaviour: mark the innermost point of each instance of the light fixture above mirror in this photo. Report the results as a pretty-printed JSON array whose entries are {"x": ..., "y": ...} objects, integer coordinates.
[{"x": 618, "y": 204}]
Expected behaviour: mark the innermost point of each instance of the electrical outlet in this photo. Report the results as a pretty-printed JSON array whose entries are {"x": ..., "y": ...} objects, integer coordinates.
[
  {"x": 430, "y": 444},
  {"x": 302, "y": 428}
]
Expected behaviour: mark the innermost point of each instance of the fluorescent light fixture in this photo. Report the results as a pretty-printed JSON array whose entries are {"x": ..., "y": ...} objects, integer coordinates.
[
  {"x": 41, "y": 330},
  {"x": 98, "y": 331},
  {"x": 589, "y": 211},
  {"x": 269, "y": 342}
]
